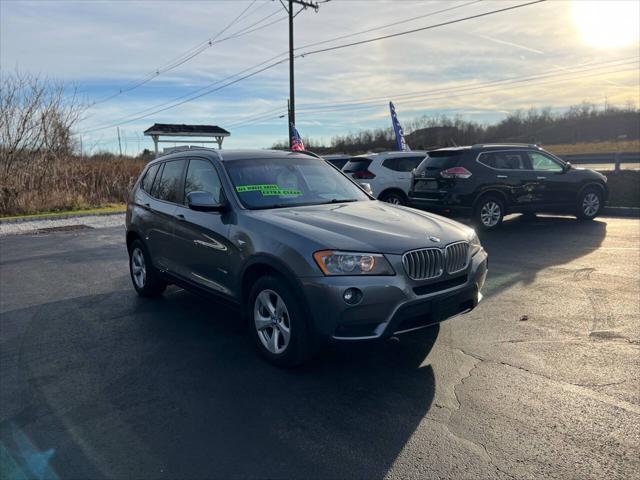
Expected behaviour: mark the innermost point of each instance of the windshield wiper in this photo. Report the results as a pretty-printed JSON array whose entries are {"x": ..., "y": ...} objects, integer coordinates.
[{"x": 347, "y": 200}]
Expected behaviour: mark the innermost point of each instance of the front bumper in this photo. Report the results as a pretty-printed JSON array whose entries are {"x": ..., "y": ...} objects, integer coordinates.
[{"x": 392, "y": 304}]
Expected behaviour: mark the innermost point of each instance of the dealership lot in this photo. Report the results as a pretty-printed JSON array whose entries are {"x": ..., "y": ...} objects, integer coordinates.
[{"x": 540, "y": 380}]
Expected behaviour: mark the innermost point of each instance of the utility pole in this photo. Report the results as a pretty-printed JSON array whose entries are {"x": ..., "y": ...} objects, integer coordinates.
[
  {"x": 119, "y": 142},
  {"x": 292, "y": 92}
]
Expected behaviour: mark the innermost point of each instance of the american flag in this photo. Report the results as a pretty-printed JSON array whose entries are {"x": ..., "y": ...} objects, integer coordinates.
[{"x": 296, "y": 140}]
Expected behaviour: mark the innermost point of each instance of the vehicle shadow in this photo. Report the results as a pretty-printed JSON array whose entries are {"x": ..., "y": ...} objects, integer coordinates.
[
  {"x": 522, "y": 248},
  {"x": 172, "y": 387}
]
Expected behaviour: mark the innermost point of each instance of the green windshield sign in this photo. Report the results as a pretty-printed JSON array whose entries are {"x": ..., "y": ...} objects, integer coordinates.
[{"x": 269, "y": 190}]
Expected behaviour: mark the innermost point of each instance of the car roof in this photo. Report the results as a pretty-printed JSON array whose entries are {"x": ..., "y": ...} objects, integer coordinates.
[
  {"x": 488, "y": 146},
  {"x": 233, "y": 155},
  {"x": 395, "y": 153}
]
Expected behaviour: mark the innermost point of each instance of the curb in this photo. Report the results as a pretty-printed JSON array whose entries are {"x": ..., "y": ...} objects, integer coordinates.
[
  {"x": 633, "y": 212},
  {"x": 60, "y": 216}
]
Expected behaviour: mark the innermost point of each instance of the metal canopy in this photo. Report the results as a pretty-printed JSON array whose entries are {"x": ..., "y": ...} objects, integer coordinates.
[{"x": 159, "y": 130}]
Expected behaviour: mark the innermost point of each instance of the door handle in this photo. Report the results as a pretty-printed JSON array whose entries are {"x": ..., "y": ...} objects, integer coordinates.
[
  {"x": 147, "y": 205},
  {"x": 501, "y": 176},
  {"x": 541, "y": 178},
  {"x": 180, "y": 217}
]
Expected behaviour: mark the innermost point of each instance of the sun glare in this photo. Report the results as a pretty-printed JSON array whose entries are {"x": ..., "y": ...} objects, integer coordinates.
[{"x": 607, "y": 24}]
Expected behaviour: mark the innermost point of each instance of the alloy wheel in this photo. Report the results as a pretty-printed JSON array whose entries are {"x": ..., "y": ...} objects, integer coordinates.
[
  {"x": 272, "y": 321},
  {"x": 590, "y": 204},
  {"x": 138, "y": 268},
  {"x": 394, "y": 200},
  {"x": 490, "y": 214}
]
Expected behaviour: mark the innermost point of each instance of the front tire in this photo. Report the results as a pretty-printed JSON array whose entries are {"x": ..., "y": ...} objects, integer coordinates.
[
  {"x": 144, "y": 276},
  {"x": 589, "y": 204},
  {"x": 489, "y": 212},
  {"x": 394, "y": 198},
  {"x": 278, "y": 324}
]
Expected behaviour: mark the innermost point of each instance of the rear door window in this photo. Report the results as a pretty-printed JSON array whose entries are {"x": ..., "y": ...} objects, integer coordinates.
[
  {"x": 169, "y": 188},
  {"x": 402, "y": 164},
  {"x": 437, "y": 161},
  {"x": 356, "y": 165},
  {"x": 156, "y": 182},
  {"x": 147, "y": 181},
  {"x": 505, "y": 160}
]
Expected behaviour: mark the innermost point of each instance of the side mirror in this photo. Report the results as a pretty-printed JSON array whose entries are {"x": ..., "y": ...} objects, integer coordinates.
[
  {"x": 204, "y": 202},
  {"x": 568, "y": 166}
]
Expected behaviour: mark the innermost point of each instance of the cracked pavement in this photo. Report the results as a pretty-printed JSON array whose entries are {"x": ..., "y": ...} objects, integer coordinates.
[{"x": 540, "y": 381}]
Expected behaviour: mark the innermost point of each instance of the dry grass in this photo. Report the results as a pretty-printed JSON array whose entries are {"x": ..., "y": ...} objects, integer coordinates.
[
  {"x": 67, "y": 184},
  {"x": 596, "y": 147}
]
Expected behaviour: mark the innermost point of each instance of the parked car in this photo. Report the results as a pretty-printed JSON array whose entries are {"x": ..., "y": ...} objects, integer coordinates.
[
  {"x": 299, "y": 247},
  {"x": 337, "y": 160},
  {"x": 487, "y": 182},
  {"x": 388, "y": 173}
]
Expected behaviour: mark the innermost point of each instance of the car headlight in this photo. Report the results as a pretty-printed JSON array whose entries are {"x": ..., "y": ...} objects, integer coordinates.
[
  {"x": 474, "y": 243},
  {"x": 352, "y": 263}
]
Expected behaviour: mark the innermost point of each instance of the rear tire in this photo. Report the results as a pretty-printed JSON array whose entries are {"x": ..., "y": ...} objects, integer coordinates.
[
  {"x": 489, "y": 212},
  {"x": 394, "y": 198},
  {"x": 145, "y": 278},
  {"x": 589, "y": 204},
  {"x": 278, "y": 323}
]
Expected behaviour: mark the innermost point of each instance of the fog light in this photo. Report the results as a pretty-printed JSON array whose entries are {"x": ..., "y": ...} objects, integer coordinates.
[{"x": 352, "y": 296}]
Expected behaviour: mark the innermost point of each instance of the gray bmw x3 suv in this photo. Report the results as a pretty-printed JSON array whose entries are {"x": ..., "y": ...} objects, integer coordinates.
[{"x": 304, "y": 252}]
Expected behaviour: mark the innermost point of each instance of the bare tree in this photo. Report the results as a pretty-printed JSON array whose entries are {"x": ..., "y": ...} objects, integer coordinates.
[{"x": 36, "y": 120}]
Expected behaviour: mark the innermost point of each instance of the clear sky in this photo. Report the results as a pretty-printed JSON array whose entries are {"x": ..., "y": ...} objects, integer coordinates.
[{"x": 555, "y": 53}]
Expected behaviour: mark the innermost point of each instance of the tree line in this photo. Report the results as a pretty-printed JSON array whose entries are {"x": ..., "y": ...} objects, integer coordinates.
[{"x": 580, "y": 123}]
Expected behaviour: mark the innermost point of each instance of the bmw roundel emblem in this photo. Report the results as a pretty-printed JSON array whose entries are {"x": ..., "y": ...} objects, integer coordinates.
[{"x": 434, "y": 239}]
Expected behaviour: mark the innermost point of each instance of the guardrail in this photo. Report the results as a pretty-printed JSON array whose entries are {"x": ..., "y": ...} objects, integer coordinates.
[{"x": 626, "y": 157}]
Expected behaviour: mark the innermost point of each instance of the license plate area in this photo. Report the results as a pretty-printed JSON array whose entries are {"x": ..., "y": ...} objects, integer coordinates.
[{"x": 429, "y": 185}]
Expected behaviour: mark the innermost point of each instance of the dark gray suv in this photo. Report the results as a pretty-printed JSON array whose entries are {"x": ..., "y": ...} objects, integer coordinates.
[{"x": 304, "y": 252}]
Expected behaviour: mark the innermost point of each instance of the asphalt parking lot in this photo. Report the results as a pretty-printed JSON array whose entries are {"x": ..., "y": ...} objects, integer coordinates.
[{"x": 541, "y": 380}]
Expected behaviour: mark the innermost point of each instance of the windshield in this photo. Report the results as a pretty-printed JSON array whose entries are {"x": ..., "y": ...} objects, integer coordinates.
[{"x": 290, "y": 182}]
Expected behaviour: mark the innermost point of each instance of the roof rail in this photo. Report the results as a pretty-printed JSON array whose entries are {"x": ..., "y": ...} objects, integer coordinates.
[
  {"x": 184, "y": 148},
  {"x": 504, "y": 144}
]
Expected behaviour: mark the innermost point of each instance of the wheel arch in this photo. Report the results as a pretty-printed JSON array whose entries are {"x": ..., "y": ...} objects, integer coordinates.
[
  {"x": 262, "y": 265},
  {"x": 388, "y": 190},
  {"x": 132, "y": 236},
  {"x": 492, "y": 191},
  {"x": 593, "y": 184}
]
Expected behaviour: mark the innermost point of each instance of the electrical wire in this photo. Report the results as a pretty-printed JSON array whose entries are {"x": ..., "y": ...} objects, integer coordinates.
[
  {"x": 314, "y": 52},
  {"x": 413, "y": 97},
  {"x": 185, "y": 57}
]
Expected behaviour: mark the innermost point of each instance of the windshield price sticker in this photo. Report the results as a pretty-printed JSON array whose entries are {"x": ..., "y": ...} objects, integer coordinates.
[{"x": 269, "y": 190}]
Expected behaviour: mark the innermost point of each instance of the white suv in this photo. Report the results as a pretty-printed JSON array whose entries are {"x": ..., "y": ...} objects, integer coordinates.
[{"x": 388, "y": 173}]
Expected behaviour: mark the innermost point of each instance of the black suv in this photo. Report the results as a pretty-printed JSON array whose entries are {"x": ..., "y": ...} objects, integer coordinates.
[{"x": 487, "y": 182}]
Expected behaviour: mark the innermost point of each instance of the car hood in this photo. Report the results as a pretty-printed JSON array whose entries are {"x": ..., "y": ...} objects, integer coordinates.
[{"x": 370, "y": 226}]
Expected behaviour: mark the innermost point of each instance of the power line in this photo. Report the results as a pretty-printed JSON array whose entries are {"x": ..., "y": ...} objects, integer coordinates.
[
  {"x": 490, "y": 89},
  {"x": 421, "y": 29},
  {"x": 271, "y": 65},
  {"x": 400, "y": 22},
  {"x": 241, "y": 33},
  {"x": 185, "y": 57},
  {"x": 560, "y": 71},
  {"x": 373, "y": 102}
]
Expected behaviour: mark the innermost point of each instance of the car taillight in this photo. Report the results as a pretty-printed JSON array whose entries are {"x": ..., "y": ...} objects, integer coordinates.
[
  {"x": 455, "y": 172},
  {"x": 363, "y": 175}
]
